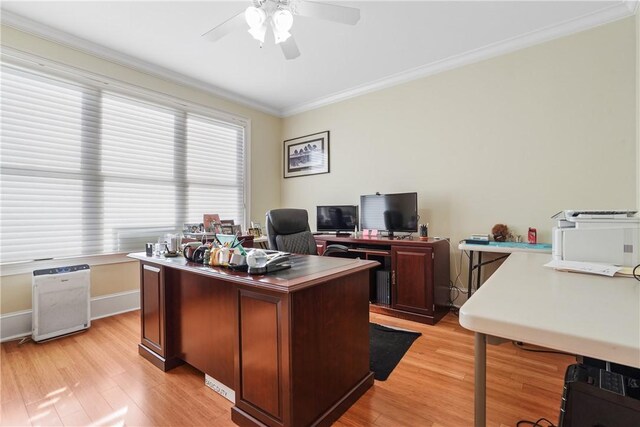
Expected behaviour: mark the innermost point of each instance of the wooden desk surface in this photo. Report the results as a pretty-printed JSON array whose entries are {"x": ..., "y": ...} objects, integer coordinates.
[
  {"x": 376, "y": 240},
  {"x": 306, "y": 271},
  {"x": 583, "y": 314}
]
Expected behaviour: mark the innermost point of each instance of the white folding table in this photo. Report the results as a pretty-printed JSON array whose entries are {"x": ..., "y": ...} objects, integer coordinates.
[
  {"x": 505, "y": 248},
  {"x": 589, "y": 315}
]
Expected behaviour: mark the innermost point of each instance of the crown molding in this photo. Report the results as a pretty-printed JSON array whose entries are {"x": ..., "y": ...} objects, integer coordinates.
[
  {"x": 603, "y": 16},
  {"x": 632, "y": 5},
  {"x": 43, "y": 31}
]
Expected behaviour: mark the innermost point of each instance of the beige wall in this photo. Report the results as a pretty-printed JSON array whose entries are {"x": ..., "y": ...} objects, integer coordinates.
[
  {"x": 15, "y": 291},
  {"x": 638, "y": 105},
  {"x": 513, "y": 139}
]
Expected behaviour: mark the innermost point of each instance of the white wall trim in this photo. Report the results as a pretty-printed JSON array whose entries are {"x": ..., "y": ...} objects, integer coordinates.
[
  {"x": 632, "y": 5},
  {"x": 18, "y": 324},
  {"x": 600, "y": 17},
  {"x": 32, "y": 27}
]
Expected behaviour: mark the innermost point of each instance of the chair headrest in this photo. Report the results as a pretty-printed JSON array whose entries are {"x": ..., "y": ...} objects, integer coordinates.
[{"x": 288, "y": 221}]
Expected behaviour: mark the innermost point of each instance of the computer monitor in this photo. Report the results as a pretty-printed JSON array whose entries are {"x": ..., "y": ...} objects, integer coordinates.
[
  {"x": 336, "y": 218},
  {"x": 390, "y": 212}
]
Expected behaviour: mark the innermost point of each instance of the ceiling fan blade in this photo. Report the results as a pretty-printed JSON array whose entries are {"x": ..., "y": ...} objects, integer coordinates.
[
  {"x": 290, "y": 48},
  {"x": 228, "y": 26},
  {"x": 329, "y": 12}
]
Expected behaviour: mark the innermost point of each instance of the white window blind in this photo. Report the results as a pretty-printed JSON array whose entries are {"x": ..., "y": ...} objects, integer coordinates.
[{"x": 86, "y": 171}]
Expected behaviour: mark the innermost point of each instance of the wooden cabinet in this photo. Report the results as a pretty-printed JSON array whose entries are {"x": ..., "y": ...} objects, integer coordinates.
[
  {"x": 412, "y": 279},
  {"x": 152, "y": 306},
  {"x": 418, "y": 271}
]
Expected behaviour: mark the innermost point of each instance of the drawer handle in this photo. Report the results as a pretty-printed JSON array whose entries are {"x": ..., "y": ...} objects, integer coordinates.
[{"x": 150, "y": 268}]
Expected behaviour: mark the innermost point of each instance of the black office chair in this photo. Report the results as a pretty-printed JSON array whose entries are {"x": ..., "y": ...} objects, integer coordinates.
[{"x": 288, "y": 231}]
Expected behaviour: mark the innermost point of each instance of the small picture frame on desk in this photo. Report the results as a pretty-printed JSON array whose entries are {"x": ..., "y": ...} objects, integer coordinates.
[
  {"x": 227, "y": 229},
  {"x": 193, "y": 228},
  {"x": 257, "y": 226},
  {"x": 210, "y": 221}
]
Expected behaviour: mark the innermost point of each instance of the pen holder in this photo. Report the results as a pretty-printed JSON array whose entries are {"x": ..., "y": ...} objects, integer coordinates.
[
  {"x": 223, "y": 256},
  {"x": 423, "y": 230}
]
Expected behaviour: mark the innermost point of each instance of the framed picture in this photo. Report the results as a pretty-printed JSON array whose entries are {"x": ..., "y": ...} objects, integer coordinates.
[
  {"x": 306, "y": 155},
  {"x": 193, "y": 228},
  {"x": 257, "y": 228},
  {"x": 237, "y": 230},
  {"x": 210, "y": 221},
  {"x": 227, "y": 229}
]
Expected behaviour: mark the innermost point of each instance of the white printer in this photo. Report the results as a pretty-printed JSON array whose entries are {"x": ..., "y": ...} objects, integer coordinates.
[{"x": 608, "y": 237}]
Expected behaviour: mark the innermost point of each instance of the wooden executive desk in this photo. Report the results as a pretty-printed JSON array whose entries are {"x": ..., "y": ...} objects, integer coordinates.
[{"x": 293, "y": 345}]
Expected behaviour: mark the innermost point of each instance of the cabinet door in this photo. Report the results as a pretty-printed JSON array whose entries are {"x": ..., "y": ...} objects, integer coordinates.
[
  {"x": 152, "y": 309},
  {"x": 412, "y": 279}
]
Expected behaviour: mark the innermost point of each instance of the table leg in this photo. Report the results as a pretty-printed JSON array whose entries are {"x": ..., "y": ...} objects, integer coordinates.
[
  {"x": 470, "y": 279},
  {"x": 480, "y": 383},
  {"x": 479, "y": 277}
]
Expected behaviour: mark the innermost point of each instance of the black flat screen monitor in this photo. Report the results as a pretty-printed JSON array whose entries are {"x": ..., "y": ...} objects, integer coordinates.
[
  {"x": 337, "y": 218},
  {"x": 390, "y": 212}
]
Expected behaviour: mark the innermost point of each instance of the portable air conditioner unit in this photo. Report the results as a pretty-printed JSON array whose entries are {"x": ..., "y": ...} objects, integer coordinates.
[{"x": 60, "y": 301}]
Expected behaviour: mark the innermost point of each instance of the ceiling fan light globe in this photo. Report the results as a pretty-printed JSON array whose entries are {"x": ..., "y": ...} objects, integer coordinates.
[
  {"x": 281, "y": 36},
  {"x": 255, "y": 17},
  {"x": 258, "y": 33},
  {"x": 283, "y": 20}
]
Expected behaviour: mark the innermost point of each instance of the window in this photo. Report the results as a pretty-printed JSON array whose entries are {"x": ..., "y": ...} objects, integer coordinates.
[{"x": 88, "y": 171}]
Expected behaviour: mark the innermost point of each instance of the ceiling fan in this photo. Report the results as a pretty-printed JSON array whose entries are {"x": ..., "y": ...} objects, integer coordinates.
[{"x": 279, "y": 15}]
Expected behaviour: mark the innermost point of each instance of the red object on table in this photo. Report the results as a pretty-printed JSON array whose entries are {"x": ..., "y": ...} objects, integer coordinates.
[{"x": 533, "y": 236}]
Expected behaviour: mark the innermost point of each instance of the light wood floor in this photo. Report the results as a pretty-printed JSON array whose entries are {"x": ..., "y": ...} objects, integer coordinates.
[{"x": 98, "y": 378}]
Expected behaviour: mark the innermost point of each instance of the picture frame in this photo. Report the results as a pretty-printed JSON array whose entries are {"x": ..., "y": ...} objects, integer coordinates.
[
  {"x": 306, "y": 155},
  {"x": 193, "y": 228},
  {"x": 227, "y": 229},
  {"x": 257, "y": 227},
  {"x": 210, "y": 221},
  {"x": 237, "y": 230}
]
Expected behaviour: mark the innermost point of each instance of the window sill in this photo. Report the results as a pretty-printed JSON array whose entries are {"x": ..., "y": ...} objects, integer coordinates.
[{"x": 27, "y": 267}]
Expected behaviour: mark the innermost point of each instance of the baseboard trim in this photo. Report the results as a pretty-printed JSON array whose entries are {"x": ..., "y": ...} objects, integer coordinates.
[{"x": 18, "y": 324}]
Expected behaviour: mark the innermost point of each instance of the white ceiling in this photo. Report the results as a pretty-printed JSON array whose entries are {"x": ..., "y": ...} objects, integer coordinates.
[{"x": 393, "y": 42}]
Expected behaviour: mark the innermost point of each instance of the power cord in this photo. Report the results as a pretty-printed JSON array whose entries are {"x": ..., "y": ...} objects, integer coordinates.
[
  {"x": 636, "y": 274},
  {"x": 521, "y": 346},
  {"x": 453, "y": 284},
  {"x": 535, "y": 423}
]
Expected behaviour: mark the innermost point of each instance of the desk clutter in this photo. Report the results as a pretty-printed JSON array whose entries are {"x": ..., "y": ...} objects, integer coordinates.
[
  {"x": 501, "y": 233},
  {"x": 211, "y": 223},
  {"x": 220, "y": 243}
]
